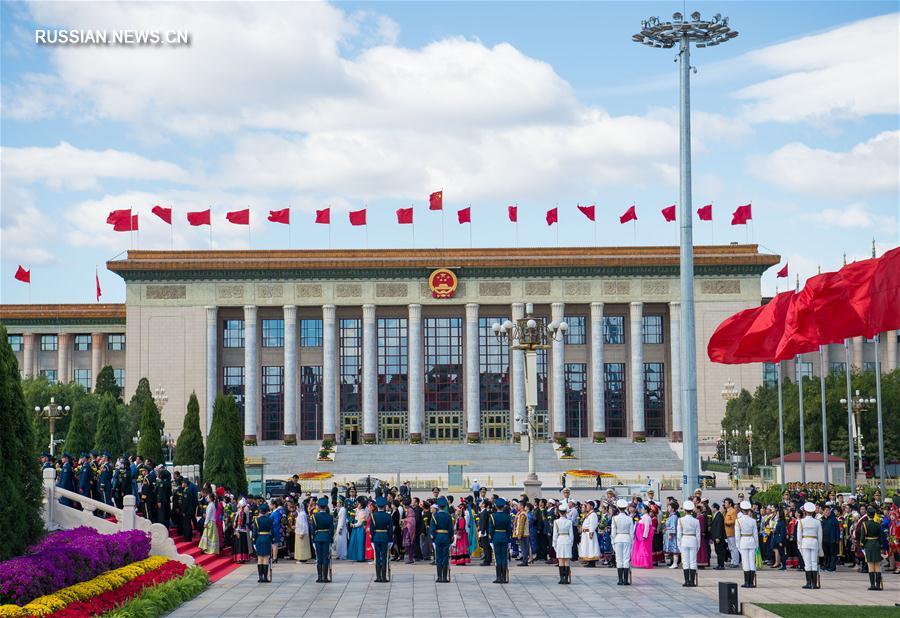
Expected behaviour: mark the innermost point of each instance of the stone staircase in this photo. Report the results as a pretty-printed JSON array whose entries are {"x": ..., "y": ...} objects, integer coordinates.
[{"x": 216, "y": 566}]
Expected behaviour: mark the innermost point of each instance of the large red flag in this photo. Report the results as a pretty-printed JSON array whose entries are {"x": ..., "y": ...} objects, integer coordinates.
[
  {"x": 163, "y": 213},
  {"x": 874, "y": 291},
  {"x": 97, "y": 285},
  {"x": 405, "y": 216},
  {"x": 630, "y": 215},
  {"x": 705, "y": 212},
  {"x": 552, "y": 216},
  {"x": 358, "y": 217},
  {"x": 280, "y": 216},
  {"x": 741, "y": 215},
  {"x": 588, "y": 211},
  {"x": 723, "y": 344},
  {"x": 668, "y": 213},
  {"x": 199, "y": 217},
  {"x": 324, "y": 216},
  {"x": 23, "y": 275},
  {"x": 436, "y": 200},
  {"x": 513, "y": 213},
  {"x": 760, "y": 342},
  {"x": 782, "y": 272},
  {"x": 239, "y": 217},
  {"x": 464, "y": 214}
]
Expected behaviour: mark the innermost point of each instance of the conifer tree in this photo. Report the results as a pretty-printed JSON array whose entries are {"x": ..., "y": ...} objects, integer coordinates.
[
  {"x": 224, "y": 449},
  {"x": 79, "y": 438},
  {"x": 106, "y": 383},
  {"x": 150, "y": 444},
  {"x": 189, "y": 448},
  {"x": 107, "y": 437}
]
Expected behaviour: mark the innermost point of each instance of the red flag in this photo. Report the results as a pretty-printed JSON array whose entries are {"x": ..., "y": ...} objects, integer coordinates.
[
  {"x": 630, "y": 215},
  {"x": 436, "y": 200},
  {"x": 874, "y": 291},
  {"x": 552, "y": 216},
  {"x": 668, "y": 213},
  {"x": 724, "y": 342},
  {"x": 163, "y": 213},
  {"x": 358, "y": 217},
  {"x": 464, "y": 215},
  {"x": 116, "y": 216},
  {"x": 405, "y": 216},
  {"x": 760, "y": 341},
  {"x": 513, "y": 213},
  {"x": 126, "y": 224},
  {"x": 324, "y": 216},
  {"x": 239, "y": 217},
  {"x": 705, "y": 212},
  {"x": 97, "y": 281},
  {"x": 587, "y": 211},
  {"x": 741, "y": 215},
  {"x": 23, "y": 275},
  {"x": 782, "y": 273},
  {"x": 199, "y": 217},
  {"x": 280, "y": 216}
]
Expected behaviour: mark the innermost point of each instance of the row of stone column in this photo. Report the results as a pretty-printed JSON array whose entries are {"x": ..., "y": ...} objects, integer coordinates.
[{"x": 64, "y": 343}]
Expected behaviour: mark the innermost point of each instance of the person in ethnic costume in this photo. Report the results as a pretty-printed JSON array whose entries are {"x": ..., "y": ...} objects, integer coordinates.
[
  {"x": 302, "y": 550},
  {"x": 670, "y": 540},
  {"x": 642, "y": 552},
  {"x": 341, "y": 536},
  {"x": 460, "y": 552},
  {"x": 210, "y": 541},
  {"x": 356, "y": 550},
  {"x": 240, "y": 548},
  {"x": 563, "y": 537},
  {"x": 262, "y": 542},
  {"x": 589, "y": 547}
]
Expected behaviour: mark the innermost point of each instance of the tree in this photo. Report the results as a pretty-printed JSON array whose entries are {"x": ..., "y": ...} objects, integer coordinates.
[
  {"x": 136, "y": 406},
  {"x": 150, "y": 444},
  {"x": 224, "y": 464},
  {"x": 107, "y": 437},
  {"x": 20, "y": 476},
  {"x": 106, "y": 383},
  {"x": 189, "y": 448},
  {"x": 80, "y": 438}
]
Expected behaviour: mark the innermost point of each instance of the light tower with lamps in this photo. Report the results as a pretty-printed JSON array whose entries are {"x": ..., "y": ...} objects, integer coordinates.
[
  {"x": 530, "y": 334},
  {"x": 52, "y": 412},
  {"x": 857, "y": 404},
  {"x": 665, "y": 35}
]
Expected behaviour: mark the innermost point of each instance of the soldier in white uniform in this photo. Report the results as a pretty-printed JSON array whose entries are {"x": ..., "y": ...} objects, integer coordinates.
[
  {"x": 809, "y": 539},
  {"x": 563, "y": 537},
  {"x": 689, "y": 543},
  {"x": 747, "y": 541},
  {"x": 621, "y": 532}
]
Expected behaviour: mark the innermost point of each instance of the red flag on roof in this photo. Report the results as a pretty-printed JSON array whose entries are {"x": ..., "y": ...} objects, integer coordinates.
[
  {"x": 782, "y": 272},
  {"x": 741, "y": 215},
  {"x": 552, "y": 216},
  {"x": 513, "y": 213},
  {"x": 23, "y": 275},
  {"x": 630, "y": 215},
  {"x": 97, "y": 286},
  {"x": 239, "y": 217},
  {"x": 436, "y": 200},
  {"x": 405, "y": 216},
  {"x": 126, "y": 224},
  {"x": 705, "y": 212},
  {"x": 118, "y": 215},
  {"x": 163, "y": 213},
  {"x": 280, "y": 216},
  {"x": 464, "y": 214},
  {"x": 358, "y": 217},
  {"x": 587, "y": 211},
  {"x": 199, "y": 217},
  {"x": 668, "y": 213},
  {"x": 323, "y": 216}
]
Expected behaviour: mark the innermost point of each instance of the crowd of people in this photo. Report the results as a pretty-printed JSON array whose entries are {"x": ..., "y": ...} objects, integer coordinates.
[{"x": 811, "y": 529}]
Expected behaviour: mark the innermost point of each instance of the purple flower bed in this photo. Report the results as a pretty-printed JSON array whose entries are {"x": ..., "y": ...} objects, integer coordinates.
[{"x": 66, "y": 558}]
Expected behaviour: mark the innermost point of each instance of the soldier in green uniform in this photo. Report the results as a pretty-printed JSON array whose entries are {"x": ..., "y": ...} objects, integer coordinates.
[
  {"x": 381, "y": 531},
  {"x": 872, "y": 537},
  {"x": 441, "y": 531},
  {"x": 499, "y": 529},
  {"x": 322, "y": 536},
  {"x": 262, "y": 542}
]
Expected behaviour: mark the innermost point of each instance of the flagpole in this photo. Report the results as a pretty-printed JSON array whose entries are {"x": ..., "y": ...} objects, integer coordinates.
[
  {"x": 249, "y": 239},
  {"x": 210, "y": 227},
  {"x": 850, "y": 431},
  {"x": 138, "y": 230},
  {"x": 413, "y": 206},
  {"x": 634, "y": 227},
  {"x": 470, "y": 226},
  {"x": 172, "y": 227},
  {"x": 29, "y": 284},
  {"x": 290, "y": 223},
  {"x": 799, "y": 377},
  {"x": 712, "y": 227},
  {"x": 824, "y": 421},
  {"x": 780, "y": 427}
]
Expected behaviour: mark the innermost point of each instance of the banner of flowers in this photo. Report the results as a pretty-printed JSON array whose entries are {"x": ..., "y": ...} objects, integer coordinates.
[
  {"x": 66, "y": 558},
  {"x": 314, "y": 476},
  {"x": 589, "y": 473}
]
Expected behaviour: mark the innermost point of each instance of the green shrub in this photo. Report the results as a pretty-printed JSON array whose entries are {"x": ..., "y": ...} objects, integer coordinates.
[{"x": 165, "y": 597}]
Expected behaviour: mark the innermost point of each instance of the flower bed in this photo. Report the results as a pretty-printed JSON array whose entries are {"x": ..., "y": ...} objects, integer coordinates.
[
  {"x": 66, "y": 558},
  {"x": 314, "y": 476},
  {"x": 154, "y": 602}
]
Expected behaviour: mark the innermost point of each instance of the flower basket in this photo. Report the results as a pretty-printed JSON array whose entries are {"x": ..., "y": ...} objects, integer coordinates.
[
  {"x": 290, "y": 441},
  {"x": 314, "y": 476}
]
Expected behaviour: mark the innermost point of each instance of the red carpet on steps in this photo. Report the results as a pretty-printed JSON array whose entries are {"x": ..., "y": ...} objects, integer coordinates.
[{"x": 216, "y": 565}]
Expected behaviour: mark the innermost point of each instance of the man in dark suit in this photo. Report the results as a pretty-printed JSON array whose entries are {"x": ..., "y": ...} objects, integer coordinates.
[
  {"x": 717, "y": 536},
  {"x": 484, "y": 516}
]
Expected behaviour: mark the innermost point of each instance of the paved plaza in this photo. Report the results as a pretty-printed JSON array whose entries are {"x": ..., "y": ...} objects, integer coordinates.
[{"x": 532, "y": 591}]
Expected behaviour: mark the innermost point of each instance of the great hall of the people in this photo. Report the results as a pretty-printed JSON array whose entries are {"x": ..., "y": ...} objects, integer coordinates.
[{"x": 398, "y": 346}]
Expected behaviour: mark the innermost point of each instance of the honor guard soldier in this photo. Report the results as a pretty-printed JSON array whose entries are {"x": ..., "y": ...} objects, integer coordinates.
[
  {"x": 499, "y": 530},
  {"x": 747, "y": 542},
  {"x": 441, "y": 531},
  {"x": 262, "y": 542},
  {"x": 381, "y": 531},
  {"x": 622, "y": 531},
  {"x": 689, "y": 544},
  {"x": 105, "y": 479},
  {"x": 809, "y": 539},
  {"x": 563, "y": 538},
  {"x": 66, "y": 478},
  {"x": 323, "y": 536},
  {"x": 872, "y": 537}
]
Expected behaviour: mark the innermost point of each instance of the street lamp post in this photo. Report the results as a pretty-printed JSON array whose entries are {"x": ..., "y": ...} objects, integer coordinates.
[
  {"x": 664, "y": 35},
  {"x": 530, "y": 335},
  {"x": 749, "y": 435},
  {"x": 857, "y": 404},
  {"x": 160, "y": 398},
  {"x": 52, "y": 412},
  {"x": 169, "y": 440}
]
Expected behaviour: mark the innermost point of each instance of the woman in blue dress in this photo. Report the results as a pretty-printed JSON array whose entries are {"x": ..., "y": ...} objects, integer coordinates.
[
  {"x": 670, "y": 538},
  {"x": 603, "y": 536},
  {"x": 356, "y": 548}
]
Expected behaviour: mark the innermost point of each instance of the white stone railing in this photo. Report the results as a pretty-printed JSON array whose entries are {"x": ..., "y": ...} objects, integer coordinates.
[{"x": 59, "y": 516}]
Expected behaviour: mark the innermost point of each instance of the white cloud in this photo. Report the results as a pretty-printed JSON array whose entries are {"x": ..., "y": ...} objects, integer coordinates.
[
  {"x": 24, "y": 229},
  {"x": 853, "y": 216},
  {"x": 65, "y": 166},
  {"x": 849, "y": 72},
  {"x": 870, "y": 167}
]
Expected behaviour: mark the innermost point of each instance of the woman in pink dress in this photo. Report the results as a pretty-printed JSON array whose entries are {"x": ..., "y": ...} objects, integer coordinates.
[
  {"x": 703, "y": 552},
  {"x": 370, "y": 549},
  {"x": 459, "y": 553},
  {"x": 642, "y": 550}
]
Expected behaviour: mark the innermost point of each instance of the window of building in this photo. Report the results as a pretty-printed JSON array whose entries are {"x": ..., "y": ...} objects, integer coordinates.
[
  {"x": 82, "y": 343},
  {"x": 770, "y": 374},
  {"x": 310, "y": 333},
  {"x": 577, "y": 333},
  {"x": 50, "y": 374},
  {"x": 49, "y": 343},
  {"x": 311, "y": 402},
  {"x": 119, "y": 375},
  {"x": 393, "y": 369},
  {"x": 804, "y": 370},
  {"x": 494, "y": 363},
  {"x": 614, "y": 329},
  {"x": 443, "y": 364},
  {"x": 351, "y": 365},
  {"x": 233, "y": 333},
  {"x": 655, "y": 400},
  {"x": 576, "y": 399},
  {"x": 653, "y": 329},
  {"x": 116, "y": 342},
  {"x": 273, "y": 403},
  {"x": 83, "y": 378},
  {"x": 614, "y": 397},
  {"x": 233, "y": 384},
  {"x": 838, "y": 367},
  {"x": 273, "y": 333},
  {"x": 869, "y": 366},
  {"x": 16, "y": 342}
]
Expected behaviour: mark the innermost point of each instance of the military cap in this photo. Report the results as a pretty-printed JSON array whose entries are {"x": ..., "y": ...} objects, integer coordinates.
[
  {"x": 499, "y": 503},
  {"x": 323, "y": 502},
  {"x": 380, "y": 502},
  {"x": 442, "y": 502}
]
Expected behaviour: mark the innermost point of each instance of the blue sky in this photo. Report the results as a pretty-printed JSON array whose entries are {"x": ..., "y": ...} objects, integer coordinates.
[{"x": 378, "y": 104}]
